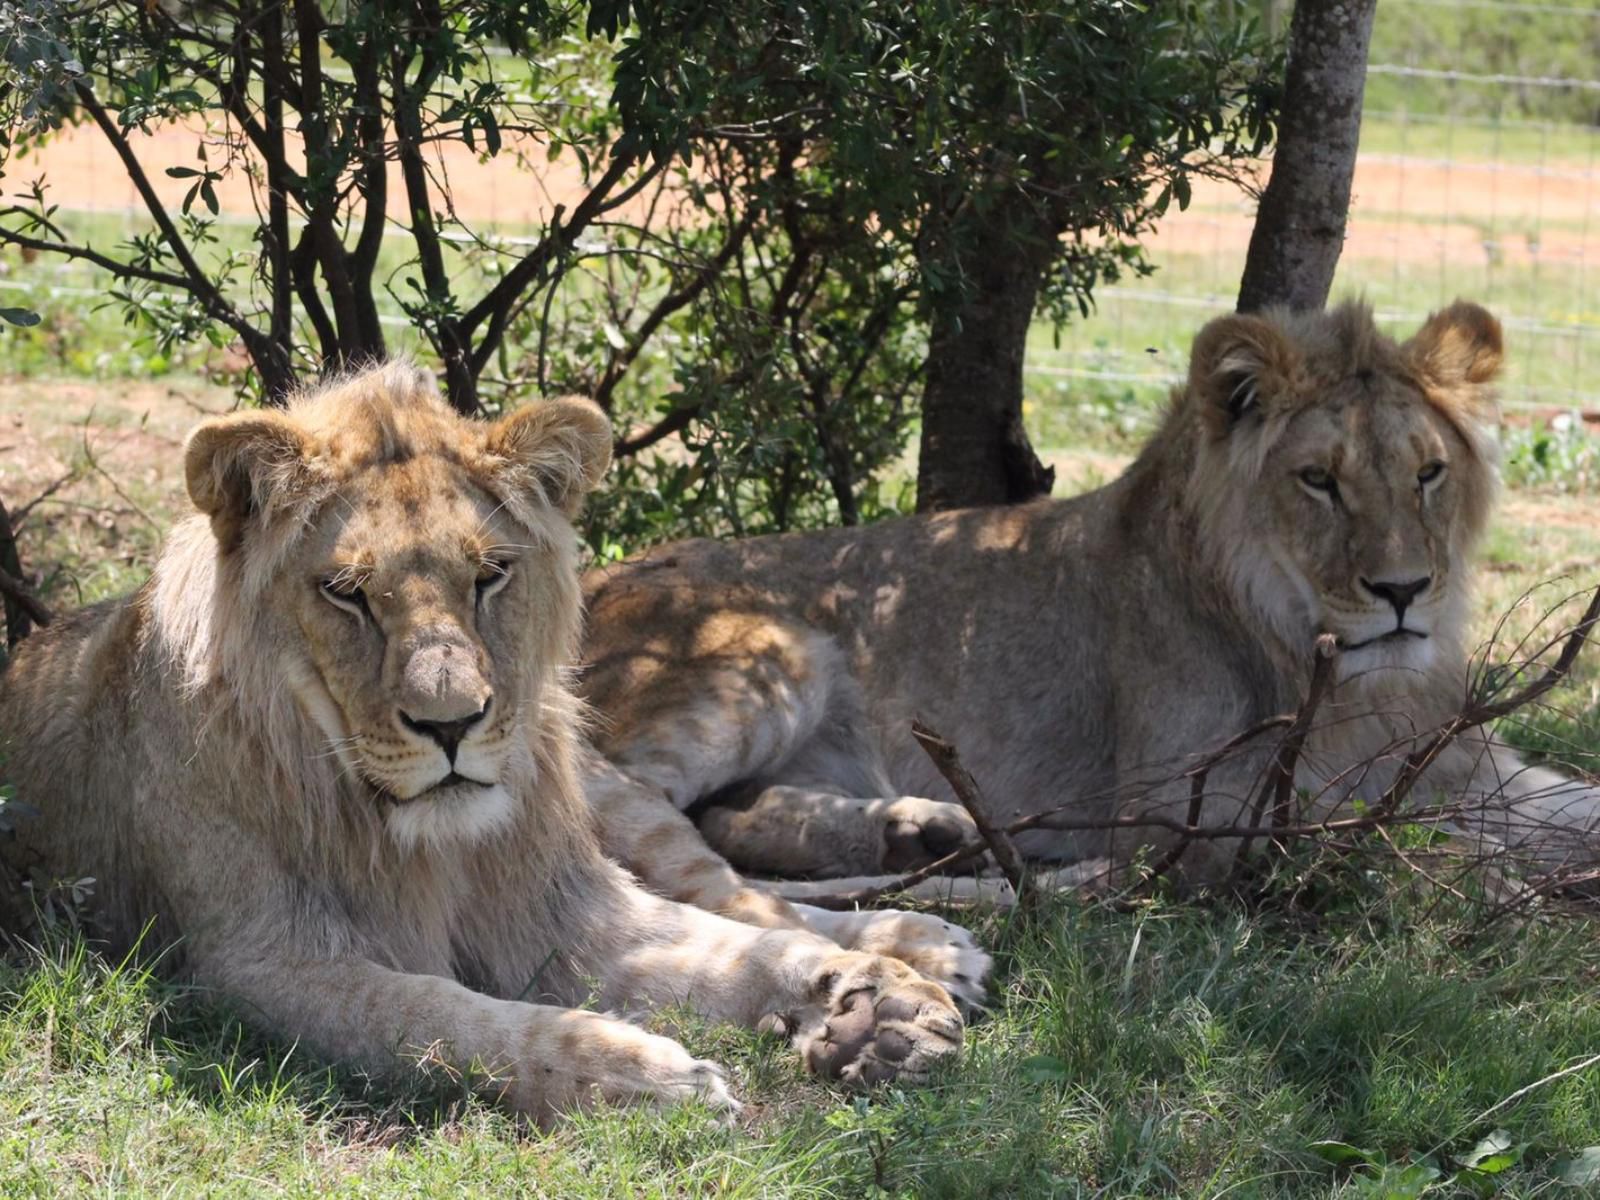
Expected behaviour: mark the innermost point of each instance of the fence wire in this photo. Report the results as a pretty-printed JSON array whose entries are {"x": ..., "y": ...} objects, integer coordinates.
[{"x": 1476, "y": 178}]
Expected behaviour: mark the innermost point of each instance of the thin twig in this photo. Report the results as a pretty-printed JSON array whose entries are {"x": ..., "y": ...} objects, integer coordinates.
[
  {"x": 94, "y": 465},
  {"x": 1279, "y": 780},
  {"x": 54, "y": 486},
  {"x": 1481, "y": 712},
  {"x": 948, "y": 762},
  {"x": 1575, "y": 1068}
]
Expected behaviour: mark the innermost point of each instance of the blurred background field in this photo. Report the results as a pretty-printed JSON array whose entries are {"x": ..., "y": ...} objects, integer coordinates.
[{"x": 1477, "y": 177}]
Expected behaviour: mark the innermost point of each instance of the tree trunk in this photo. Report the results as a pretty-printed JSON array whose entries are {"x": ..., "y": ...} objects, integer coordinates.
[
  {"x": 974, "y": 448},
  {"x": 1299, "y": 228}
]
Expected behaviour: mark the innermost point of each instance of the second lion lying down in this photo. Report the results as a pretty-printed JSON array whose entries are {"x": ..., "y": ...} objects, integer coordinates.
[{"x": 1311, "y": 476}]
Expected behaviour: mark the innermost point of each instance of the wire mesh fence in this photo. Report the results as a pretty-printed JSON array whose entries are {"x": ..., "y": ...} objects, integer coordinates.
[{"x": 1476, "y": 178}]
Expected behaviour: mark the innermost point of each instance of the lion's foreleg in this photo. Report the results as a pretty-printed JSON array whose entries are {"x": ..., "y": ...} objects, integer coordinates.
[
  {"x": 540, "y": 1059},
  {"x": 666, "y": 851},
  {"x": 1532, "y": 813}
]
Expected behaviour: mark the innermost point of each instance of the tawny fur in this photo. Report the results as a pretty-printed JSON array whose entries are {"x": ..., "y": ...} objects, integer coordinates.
[
  {"x": 1081, "y": 652},
  {"x": 330, "y": 752}
]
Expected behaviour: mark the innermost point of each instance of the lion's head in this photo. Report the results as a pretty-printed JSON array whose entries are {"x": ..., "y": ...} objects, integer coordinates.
[
  {"x": 403, "y": 576},
  {"x": 1344, "y": 478}
]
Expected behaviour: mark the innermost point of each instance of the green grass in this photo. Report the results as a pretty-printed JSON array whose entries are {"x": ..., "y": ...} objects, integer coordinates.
[
  {"x": 1141, "y": 329},
  {"x": 1176, "y": 1050}
]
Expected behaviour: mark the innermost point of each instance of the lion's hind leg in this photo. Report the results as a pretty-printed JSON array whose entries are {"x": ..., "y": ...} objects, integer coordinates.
[
  {"x": 645, "y": 833},
  {"x": 816, "y": 832}
]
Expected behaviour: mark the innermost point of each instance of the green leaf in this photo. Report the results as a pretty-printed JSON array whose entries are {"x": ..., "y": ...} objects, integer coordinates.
[
  {"x": 182, "y": 172},
  {"x": 1493, "y": 1154},
  {"x": 209, "y": 195},
  {"x": 614, "y": 336},
  {"x": 24, "y": 317},
  {"x": 1341, "y": 1153},
  {"x": 1396, "y": 1182}
]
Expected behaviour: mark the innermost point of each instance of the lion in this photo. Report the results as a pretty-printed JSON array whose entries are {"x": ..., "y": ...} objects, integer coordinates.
[
  {"x": 330, "y": 753},
  {"x": 1311, "y": 476}
]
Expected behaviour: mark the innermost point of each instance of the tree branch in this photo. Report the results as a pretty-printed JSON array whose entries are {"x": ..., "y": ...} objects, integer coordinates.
[
  {"x": 496, "y": 305},
  {"x": 445, "y": 332},
  {"x": 670, "y": 303},
  {"x": 303, "y": 262},
  {"x": 119, "y": 269},
  {"x": 22, "y": 608},
  {"x": 277, "y": 374}
]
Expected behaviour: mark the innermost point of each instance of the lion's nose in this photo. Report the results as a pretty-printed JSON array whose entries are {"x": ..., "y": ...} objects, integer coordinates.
[
  {"x": 1398, "y": 594},
  {"x": 446, "y": 734}
]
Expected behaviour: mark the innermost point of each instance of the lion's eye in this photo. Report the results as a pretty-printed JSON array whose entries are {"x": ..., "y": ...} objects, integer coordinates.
[
  {"x": 493, "y": 575},
  {"x": 1319, "y": 480},
  {"x": 1430, "y": 473},
  {"x": 343, "y": 593}
]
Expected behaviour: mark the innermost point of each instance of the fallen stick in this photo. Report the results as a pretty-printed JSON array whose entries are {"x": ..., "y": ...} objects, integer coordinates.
[
  {"x": 999, "y": 843},
  {"x": 1279, "y": 781}
]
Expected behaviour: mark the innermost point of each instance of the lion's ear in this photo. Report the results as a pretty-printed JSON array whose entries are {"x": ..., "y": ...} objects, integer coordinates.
[
  {"x": 1238, "y": 367},
  {"x": 558, "y": 450},
  {"x": 1457, "y": 345},
  {"x": 245, "y": 466}
]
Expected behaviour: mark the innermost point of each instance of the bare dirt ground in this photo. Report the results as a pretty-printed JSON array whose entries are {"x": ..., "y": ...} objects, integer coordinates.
[
  {"x": 1405, "y": 209},
  {"x": 92, "y": 474}
]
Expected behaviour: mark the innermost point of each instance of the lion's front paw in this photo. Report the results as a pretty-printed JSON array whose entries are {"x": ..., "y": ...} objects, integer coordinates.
[
  {"x": 605, "y": 1060},
  {"x": 930, "y": 945},
  {"x": 918, "y": 831},
  {"x": 687, "y": 1078},
  {"x": 879, "y": 1021}
]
